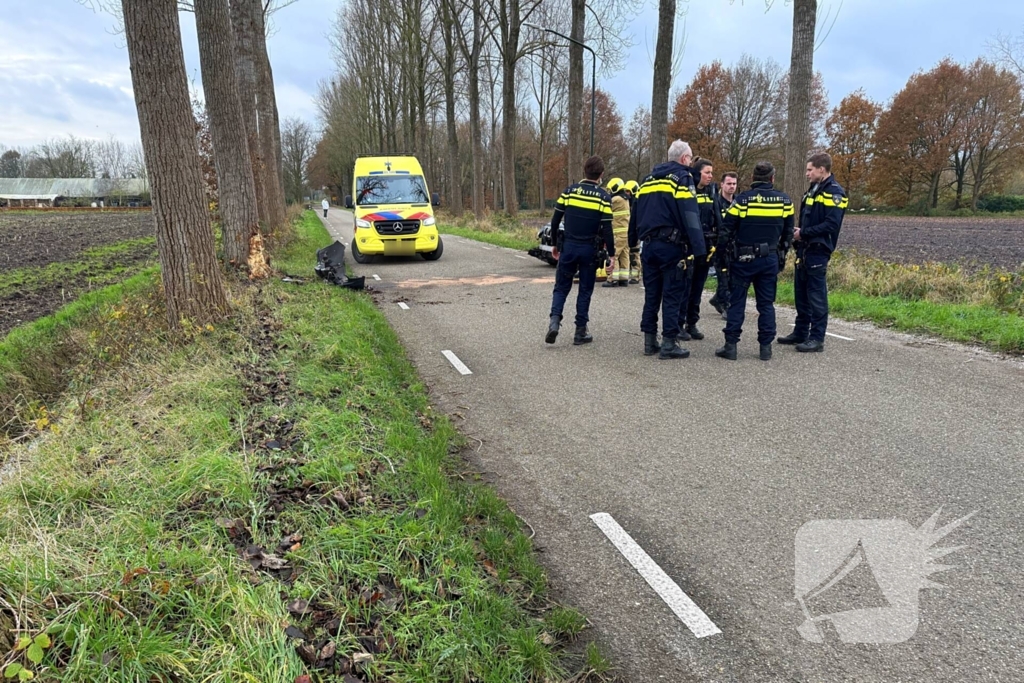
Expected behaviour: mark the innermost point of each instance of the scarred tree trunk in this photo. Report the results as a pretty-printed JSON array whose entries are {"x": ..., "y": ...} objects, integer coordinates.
[
  {"x": 237, "y": 191},
  {"x": 243, "y": 25},
  {"x": 801, "y": 80},
  {"x": 662, "y": 80},
  {"x": 579, "y": 15},
  {"x": 269, "y": 124},
  {"x": 191, "y": 276}
]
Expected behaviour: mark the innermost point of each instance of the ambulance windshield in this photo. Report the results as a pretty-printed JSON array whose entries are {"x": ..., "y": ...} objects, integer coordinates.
[{"x": 391, "y": 189}]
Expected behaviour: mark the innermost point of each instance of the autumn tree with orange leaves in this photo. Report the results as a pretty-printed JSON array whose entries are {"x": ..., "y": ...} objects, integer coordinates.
[{"x": 850, "y": 130}]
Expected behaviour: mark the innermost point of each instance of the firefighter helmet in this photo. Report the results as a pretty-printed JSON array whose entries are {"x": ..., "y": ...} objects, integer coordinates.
[
  {"x": 632, "y": 186},
  {"x": 615, "y": 184}
]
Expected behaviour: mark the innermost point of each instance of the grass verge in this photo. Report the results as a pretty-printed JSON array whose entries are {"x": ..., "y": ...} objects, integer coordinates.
[
  {"x": 498, "y": 229},
  {"x": 270, "y": 500},
  {"x": 500, "y": 239}
]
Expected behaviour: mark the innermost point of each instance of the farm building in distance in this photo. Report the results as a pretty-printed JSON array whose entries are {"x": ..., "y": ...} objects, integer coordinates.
[{"x": 49, "y": 192}]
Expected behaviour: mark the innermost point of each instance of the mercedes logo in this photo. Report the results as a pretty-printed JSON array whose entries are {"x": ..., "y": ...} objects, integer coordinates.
[{"x": 397, "y": 227}]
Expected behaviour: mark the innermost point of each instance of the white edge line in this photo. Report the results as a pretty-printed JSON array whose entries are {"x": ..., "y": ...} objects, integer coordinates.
[
  {"x": 456, "y": 363},
  {"x": 404, "y": 306},
  {"x": 487, "y": 248},
  {"x": 518, "y": 256},
  {"x": 667, "y": 589},
  {"x": 376, "y": 277},
  {"x": 837, "y": 336}
]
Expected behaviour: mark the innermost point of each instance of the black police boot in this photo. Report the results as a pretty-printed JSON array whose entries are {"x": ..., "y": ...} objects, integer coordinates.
[
  {"x": 766, "y": 351},
  {"x": 810, "y": 346},
  {"x": 727, "y": 352},
  {"x": 623, "y": 283},
  {"x": 670, "y": 348},
  {"x": 717, "y": 303},
  {"x": 556, "y": 322},
  {"x": 694, "y": 332},
  {"x": 582, "y": 336},
  {"x": 683, "y": 335},
  {"x": 633, "y": 281},
  {"x": 650, "y": 343},
  {"x": 791, "y": 339},
  {"x": 610, "y": 283}
]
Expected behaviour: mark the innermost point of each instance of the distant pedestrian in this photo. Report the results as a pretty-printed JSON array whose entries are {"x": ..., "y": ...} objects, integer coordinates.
[{"x": 326, "y": 205}]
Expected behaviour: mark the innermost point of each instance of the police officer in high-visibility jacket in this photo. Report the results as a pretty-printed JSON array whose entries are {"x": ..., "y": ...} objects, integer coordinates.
[
  {"x": 666, "y": 220},
  {"x": 587, "y": 210},
  {"x": 619, "y": 276},
  {"x": 710, "y": 222},
  {"x": 635, "y": 271},
  {"x": 821, "y": 218},
  {"x": 758, "y": 228}
]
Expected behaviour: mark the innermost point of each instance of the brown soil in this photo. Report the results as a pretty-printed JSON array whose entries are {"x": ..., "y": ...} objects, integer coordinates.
[
  {"x": 38, "y": 239},
  {"x": 972, "y": 242}
]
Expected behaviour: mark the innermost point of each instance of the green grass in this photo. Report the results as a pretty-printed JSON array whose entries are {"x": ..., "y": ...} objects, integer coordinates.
[
  {"x": 115, "y": 532},
  {"x": 99, "y": 266},
  {"x": 500, "y": 239}
]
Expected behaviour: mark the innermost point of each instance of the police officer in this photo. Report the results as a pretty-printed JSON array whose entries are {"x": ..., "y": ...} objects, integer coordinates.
[
  {"x": 758, "y": 228},
  {"x": 621, "y": 196},
  {"x": 821, "y": 218},
  {"x": 707, "y": 194},
  {"x": 726, "y": 197},
  {"x": 666, "y": 220},
  {"x": 587, "y": 210},
  {"x": 634, "y": 252}
]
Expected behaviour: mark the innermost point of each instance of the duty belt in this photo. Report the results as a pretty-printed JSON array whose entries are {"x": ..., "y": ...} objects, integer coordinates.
[
  {"x": 664, "y": 235},
  {"x": 748, "y": 252}
]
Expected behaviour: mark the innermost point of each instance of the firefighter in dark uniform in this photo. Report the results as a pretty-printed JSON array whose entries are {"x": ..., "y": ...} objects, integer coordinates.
[
  {"x": 758, "y": 229},
  {"x": 587, "y": 210},
  {"x": 821, "y": 218},
  {"x": 666, "y": 220},
  {"x": 710, "y": 222}
]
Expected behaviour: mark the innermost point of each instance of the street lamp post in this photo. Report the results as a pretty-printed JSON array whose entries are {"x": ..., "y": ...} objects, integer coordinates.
[{"x": 593, "y": 76}]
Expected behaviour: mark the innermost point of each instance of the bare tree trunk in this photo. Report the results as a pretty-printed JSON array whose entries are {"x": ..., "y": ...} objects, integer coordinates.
[
  {"x": 801, "y": 81},
  {"x": 448, "y": 13},
  {"x": 237, "y": 191},
  {"x": 269, "y": 125},
  {"x": 579, "y": 16},
  {"x": 243, "y": 25},
  {"x": 662, "y": 80},
  {"x": 193, "y": 285},
  {"x": 475, "y": 133},
  {"x": 508, "y": 134}
]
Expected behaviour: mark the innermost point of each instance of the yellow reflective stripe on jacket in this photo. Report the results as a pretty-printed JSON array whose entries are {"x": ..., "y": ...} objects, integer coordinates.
[
  {"x": 588, "y": 203},
  {"x": 736, "y": 210},
  {"x": 705, "y": 199},
  {"x": 683, "y": 193},
  {"x": 653, "y": 186},
  {"x": 828, "y": 201}
]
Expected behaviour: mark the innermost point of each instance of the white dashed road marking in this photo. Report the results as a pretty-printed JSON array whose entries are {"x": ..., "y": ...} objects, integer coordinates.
[
  {"x": 404, "y": 306},
  {"x": 837, "y": 336},
  {"x": 456, "y": 363},
  {"x": 487, "y": 248},
  {"x": 518, "y": 256},
  {"x": 678, "y": 601},
  {"x": 376, "y": 277}
]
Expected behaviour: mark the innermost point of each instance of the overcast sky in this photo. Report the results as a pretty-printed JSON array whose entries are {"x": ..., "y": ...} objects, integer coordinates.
[{"x": 63, "y": 71}]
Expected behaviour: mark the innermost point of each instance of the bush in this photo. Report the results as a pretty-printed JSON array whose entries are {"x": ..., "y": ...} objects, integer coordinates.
[{"x": 1001, "y": 203}]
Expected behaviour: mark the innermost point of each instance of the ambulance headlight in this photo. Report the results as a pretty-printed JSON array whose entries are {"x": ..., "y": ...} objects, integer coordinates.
[
  {"x": 360, "y": 223},
  {"x": 429, "y": 220}
]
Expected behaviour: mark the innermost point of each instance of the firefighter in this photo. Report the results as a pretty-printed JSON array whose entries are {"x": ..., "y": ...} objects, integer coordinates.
[
  {"x": 707, "y": 196},
  {"x": 726, "y": 196},
  {"x": 758, "y": 228},
  {"x": 821, "y": 218},
  {"x": 667, "y": 221},
  {"x": 587, "y": 210},
  {"x": 635, "y": 272},
  {"x": 620, "y": 227}
]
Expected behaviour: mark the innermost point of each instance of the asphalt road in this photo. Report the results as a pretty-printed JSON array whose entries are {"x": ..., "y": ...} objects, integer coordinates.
[{"x": 712, "y": 468}]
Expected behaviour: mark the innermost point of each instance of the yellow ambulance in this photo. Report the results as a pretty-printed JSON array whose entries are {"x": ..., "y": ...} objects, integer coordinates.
[{"x": 393, "y": 209}]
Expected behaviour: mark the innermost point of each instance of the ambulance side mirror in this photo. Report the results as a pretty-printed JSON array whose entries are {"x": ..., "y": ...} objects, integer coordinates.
[{"x": 348, "y": 201}]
